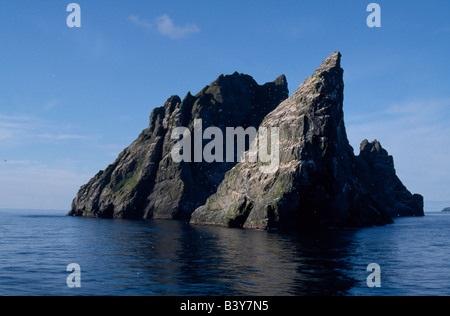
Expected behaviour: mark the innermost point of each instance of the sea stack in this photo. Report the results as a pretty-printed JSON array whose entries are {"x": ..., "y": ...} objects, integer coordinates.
[
  {"x": 145, "y": 182},
  {"x": 319, "y": 181}
]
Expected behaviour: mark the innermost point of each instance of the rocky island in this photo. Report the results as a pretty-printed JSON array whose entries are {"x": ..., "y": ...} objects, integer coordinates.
[
  {"x": 447, "y": 209},
  {"x": 144, "y": 182},
  {"x": 319, "y": 180}
]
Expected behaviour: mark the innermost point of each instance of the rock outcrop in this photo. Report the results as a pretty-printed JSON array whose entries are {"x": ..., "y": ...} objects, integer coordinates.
[
  {"x": 319, "y": 181},
  {"x": 376, "y": 172},
  {"x": 447, "y": 209},
  {"x": 145, "y": 182}
]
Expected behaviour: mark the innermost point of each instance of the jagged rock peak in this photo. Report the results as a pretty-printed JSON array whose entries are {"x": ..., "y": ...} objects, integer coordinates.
[
  {"x": 313, "y": 179},
  {"x": 373, "y": 147},
  {"x": 317, "y": 182},
  {"x": 376, "y": 172},
  {"x": 281, "y": 80},
  {"x": 145, "y": 182},
  {"x": 317, "y": 179},
  {"x": 332, "y": 61}
]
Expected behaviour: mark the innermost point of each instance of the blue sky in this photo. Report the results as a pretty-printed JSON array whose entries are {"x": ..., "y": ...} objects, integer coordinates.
[{"x": 72, "y": 98}]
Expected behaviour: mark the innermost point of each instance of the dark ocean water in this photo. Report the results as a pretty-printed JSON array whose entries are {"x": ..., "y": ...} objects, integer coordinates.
[{"x": 120, "y": 257}]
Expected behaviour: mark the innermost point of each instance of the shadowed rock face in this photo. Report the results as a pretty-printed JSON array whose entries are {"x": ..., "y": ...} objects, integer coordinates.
[
  {"x": 375, "y": 170},
  {"x": 319, "y": 181},
  {"x": 145, "y": 182}
]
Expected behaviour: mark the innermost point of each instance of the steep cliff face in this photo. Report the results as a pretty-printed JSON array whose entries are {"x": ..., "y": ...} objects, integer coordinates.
[
  {"x": 376, "y": 172},
  {"x": 145, "y": 182},
  {"x": 318, "y": 180}
]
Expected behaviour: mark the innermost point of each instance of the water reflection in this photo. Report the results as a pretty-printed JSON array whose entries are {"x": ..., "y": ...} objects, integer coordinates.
[
  {"x": 120, "y": 257},
  {"x": 174, "y": 258}
]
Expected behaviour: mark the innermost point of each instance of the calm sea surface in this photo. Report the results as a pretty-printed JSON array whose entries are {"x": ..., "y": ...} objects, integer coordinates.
[{"x": 120, "y": 257}]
